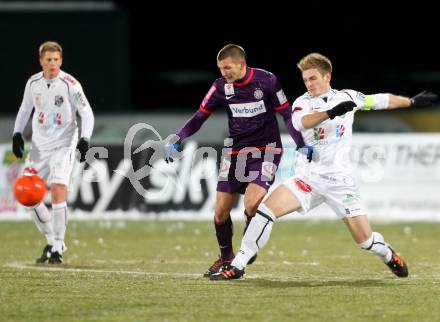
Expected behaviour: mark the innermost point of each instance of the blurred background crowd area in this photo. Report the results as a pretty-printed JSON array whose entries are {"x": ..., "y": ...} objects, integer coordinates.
[{"x": 154, "y": 64}]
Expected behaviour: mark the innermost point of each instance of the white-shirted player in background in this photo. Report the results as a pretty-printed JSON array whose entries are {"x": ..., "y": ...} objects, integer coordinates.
[
  {"x": 55, "y": 97},
  {"x": 325, "y": 118}
]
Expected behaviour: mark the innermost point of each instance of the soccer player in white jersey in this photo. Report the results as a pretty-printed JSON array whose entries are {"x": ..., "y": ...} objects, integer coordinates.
[
  {"x": 325, "y": 117},
  {"x": 55, "y": 97}
]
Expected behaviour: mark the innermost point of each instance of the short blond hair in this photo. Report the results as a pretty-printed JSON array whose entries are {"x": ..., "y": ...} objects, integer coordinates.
[
  {"x": 50, "y": 46},
  {"x": 315, "y": 60}
]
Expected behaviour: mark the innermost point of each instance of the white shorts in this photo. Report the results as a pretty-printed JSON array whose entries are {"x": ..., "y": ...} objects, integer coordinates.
[
  {"x": 53, "y": 166},
  {"x": 339, "y": 191}
]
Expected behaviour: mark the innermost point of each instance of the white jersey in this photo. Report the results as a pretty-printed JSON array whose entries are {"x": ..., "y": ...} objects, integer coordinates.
[
  {"x": 331, "y": 138},
  {"x": 56, "y": 102}
]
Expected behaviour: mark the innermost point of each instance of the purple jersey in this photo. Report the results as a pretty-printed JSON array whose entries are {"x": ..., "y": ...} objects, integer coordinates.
[{"x": 251, "y": 105}]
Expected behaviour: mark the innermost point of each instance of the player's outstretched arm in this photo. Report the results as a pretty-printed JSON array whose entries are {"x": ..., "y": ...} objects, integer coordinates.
[
  {"x": 192, "y": 126},
  {"x": 423, "y": 99},
  {"x": 396, "y": 101}
]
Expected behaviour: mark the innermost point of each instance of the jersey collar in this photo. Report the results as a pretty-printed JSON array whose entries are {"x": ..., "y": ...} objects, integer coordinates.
[
  {"x": 51, "y": 80},
  {"x": 327, "y": 95},
  {"x": 247, "y": 78}
]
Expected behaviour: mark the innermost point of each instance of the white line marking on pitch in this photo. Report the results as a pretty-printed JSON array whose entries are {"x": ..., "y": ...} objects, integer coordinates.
[
  {"x": 267, "y": 277},
  {"x": 24, "y": 265}
]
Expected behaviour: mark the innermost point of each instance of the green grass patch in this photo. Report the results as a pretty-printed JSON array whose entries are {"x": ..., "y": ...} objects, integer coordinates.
[{"x": 152, "y": 271}]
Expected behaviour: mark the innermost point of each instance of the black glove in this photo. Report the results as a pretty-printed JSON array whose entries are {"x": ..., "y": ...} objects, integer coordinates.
[
  {"x": 341, "y": 109},
  {"x": 82, "y": 147},
  {"x": 423, "y": 99},
  {"x": 17, "y": 145}
]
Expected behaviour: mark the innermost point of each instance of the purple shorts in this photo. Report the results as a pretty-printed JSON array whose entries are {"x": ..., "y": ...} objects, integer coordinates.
[{"x": 237, "y": 171}]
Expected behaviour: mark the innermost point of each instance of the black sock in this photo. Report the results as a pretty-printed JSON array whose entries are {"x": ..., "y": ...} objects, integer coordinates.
[{"x": 224, "y": 238}]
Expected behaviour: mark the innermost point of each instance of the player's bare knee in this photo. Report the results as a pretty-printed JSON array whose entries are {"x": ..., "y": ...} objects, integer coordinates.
[
  {"x": 221, "y": 214},
  {"x": 59, "y": 193},
  {"x": 251, "y": 208},
  {"x": 362, "y": 237},
  {"x": 274, "y": 206},
  {"x": 58, "y": 187}
]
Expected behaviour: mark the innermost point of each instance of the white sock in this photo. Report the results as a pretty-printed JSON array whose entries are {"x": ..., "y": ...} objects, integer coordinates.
[
  {"x": 59, "y": 220},
  {"x": 41, "y": 217},
  {"x": 376, "y": 244},
  {"x": 256, "y": 236}
]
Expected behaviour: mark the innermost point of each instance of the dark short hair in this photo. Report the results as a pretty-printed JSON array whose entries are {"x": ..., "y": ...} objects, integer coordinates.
[{"x": 233, "y": 51}]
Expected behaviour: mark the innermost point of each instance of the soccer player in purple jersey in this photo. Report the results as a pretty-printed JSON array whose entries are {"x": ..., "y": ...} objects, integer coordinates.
[{"x": 251, "y": 98}]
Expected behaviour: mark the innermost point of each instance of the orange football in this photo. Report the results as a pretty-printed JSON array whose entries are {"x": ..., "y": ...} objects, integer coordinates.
[{"x": 30, "y": 190}]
